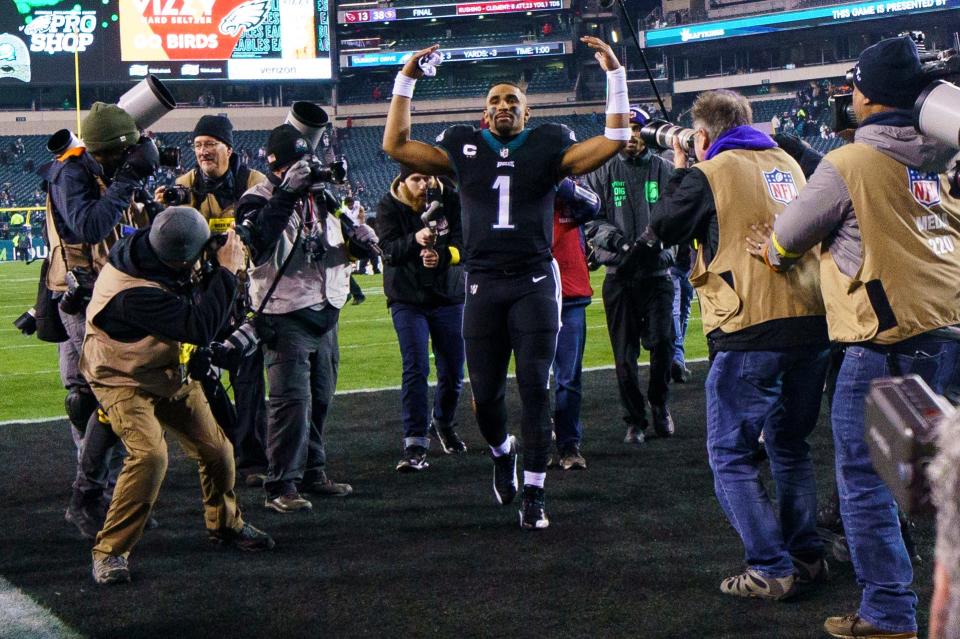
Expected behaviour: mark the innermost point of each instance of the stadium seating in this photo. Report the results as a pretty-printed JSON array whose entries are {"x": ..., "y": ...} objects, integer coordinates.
[{"x": 370, "y": 171}]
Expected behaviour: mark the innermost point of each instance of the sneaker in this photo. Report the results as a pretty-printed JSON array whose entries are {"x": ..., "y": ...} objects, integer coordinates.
[
  {"x": 662, "y": 421},
  {"x": 853, "y": 627},
  {"x": 323, "y": 487},
  {"x": 289, "y": 503},
  {"x": 247, "y": 538},
  {"x": 414, "y": 459},
  {"x": 359, "y": 299},
  {"x": 634, "y": 435},
  {"x": 111, "y": 570},
  {"x": 754, "y": 585},
  {"x": 571, "y": 459},
  {"x": 505, "y": 474},
  {"x": 532, "y": 516},
  {"x": 679, "y": 373},
  {"x": 813, "y": 572},
  {"x": 449, "y": 439},
  {"x": 86, "y": 518},
  {"x": 254, "y": 480}
]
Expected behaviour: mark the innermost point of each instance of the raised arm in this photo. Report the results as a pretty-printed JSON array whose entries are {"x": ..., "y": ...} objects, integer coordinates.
[
  {"x": 421, "y": 157},
  {"x": 590, "y": 154}
]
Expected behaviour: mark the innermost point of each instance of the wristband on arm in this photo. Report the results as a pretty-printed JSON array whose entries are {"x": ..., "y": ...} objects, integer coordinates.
[
  {"x": 404, "y": 85},
  {"x": 618, "y": 102}
]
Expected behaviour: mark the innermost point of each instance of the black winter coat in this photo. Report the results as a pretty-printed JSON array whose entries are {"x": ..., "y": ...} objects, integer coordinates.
[{"x": 405, "y": 279}]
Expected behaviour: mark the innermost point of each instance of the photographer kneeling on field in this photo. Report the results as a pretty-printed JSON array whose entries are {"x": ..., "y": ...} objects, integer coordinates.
[
  {"x": 298, "y": 283},
  {"x": 145, "y": 304}
]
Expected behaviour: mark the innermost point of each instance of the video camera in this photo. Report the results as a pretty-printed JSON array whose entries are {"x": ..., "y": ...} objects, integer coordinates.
[
  {"x": 902, "y": 417},
  {"x": 935, "y": 101}
]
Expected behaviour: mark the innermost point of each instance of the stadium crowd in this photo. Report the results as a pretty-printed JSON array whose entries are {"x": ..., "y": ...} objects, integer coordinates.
[{"x": 487, "y": 236}]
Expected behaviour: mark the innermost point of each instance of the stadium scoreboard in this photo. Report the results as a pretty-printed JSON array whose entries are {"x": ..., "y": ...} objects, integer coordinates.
[
  {"x": 464, "y": 54},
  {"x": 359, "y": 16}
]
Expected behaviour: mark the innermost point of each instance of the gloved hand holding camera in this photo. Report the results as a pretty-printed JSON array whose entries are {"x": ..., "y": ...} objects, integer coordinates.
[{"x": 298, "y": 178}]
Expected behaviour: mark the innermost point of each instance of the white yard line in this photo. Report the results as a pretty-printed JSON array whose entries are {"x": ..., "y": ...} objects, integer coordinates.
[
  {"x": 23, "y": 618},
  {"x": 354, "y": 391}
]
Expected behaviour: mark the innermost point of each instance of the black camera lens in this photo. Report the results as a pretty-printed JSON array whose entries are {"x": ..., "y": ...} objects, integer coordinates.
[
  {"x": 175, "y": 195},
  {"x": 27, "y": 322}
]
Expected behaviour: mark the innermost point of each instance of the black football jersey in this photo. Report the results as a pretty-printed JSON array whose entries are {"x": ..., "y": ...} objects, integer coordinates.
[{"x": 507, "y": 189}]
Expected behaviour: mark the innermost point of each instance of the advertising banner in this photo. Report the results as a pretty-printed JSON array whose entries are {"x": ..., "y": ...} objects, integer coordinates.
[
  {"x": 39, "y": 39},
  {"x": 235, "y": 39},
  {"x": 783, "y": 21}
]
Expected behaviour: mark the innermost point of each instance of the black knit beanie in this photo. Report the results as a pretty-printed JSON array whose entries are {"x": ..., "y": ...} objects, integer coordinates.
[
  {"x": 215, "y": 126},
  {"x": 889, "y": 73}
]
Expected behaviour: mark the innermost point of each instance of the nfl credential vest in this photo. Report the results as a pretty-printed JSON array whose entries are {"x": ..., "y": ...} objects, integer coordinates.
[
  {"x": 909, "y": 281},
  {"x": 219, "y": 219},
  {"x": 65, "y": 257},
  {"x": 736, "y": 290},
  {"x": 151, "y": 363}
]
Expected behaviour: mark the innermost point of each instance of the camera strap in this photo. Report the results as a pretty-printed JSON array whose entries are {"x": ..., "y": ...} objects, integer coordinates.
[{"x": 280, "y": 272}]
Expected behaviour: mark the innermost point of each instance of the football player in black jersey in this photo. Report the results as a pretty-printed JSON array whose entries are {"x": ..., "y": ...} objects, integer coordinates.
[{"x": 507, "y": 176}]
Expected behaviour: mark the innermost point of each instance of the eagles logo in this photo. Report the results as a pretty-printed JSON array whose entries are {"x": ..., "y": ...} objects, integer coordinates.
[
  {"x": 40, "y": 24},
  {"x": 244, "y": 17}
]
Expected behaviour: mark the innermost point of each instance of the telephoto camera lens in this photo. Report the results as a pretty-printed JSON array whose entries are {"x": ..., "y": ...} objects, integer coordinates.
[{"x": 661, "y": 134}]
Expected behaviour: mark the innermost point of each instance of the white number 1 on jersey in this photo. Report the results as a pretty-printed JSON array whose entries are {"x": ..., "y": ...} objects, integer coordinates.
[{"x": 502, "y": 184}]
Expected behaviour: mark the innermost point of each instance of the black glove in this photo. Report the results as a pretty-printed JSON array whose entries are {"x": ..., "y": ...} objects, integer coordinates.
[
  {"x": 793, "y": 145},
  {"x": 141, "y": 160}
]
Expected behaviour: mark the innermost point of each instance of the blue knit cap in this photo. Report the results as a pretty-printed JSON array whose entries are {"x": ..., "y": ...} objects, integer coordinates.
[{"x": 889, "y": 73}]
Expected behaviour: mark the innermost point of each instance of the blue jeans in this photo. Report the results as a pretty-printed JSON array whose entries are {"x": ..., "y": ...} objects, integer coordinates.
[
  {"x": 869, "y": 512},
  {"x": 416, "y": 327},
  {"x": 682, "y": 298},
  {"x": 567, "y": 367},
  {"x": 778, "y": 393}
]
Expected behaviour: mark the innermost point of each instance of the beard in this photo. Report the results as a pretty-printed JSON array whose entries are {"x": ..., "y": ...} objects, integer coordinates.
[{"x": 504, "y": 127}]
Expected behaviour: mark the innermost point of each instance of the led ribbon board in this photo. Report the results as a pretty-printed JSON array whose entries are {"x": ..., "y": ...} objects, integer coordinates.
[{"x": 771, "y": 23}]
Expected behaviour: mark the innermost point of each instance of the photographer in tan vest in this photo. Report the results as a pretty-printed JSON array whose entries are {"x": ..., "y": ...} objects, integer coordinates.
[
  {"x": 147, "y": 301},
  {"x": 767, "y": 337},
  {"x": 881, "y": 212},
  {"x": 90, "y": 191}
]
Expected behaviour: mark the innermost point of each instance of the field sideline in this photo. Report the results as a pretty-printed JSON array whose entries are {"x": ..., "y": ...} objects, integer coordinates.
[{"x": 369, "y": 357}]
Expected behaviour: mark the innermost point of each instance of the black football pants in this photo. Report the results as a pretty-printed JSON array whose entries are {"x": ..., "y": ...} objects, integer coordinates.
[
  {"x": 640, "y": 312},
  {"x": 518, "y": 313}
]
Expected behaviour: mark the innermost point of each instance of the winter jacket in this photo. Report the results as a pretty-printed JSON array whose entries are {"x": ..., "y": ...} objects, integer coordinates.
[{"x": 405, "y": 279}]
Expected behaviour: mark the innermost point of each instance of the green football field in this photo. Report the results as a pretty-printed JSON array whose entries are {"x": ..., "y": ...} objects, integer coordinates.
[{"x": 369, "y": 357}]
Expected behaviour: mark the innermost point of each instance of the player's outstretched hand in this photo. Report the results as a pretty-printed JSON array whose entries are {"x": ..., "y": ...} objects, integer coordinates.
[
  {"x": 411, "y": 68},
  {"x": 603, "y": 53}
]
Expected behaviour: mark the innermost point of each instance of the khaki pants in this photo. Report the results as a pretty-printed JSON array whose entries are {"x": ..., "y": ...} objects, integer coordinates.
[{"x": 138, "y": 418}]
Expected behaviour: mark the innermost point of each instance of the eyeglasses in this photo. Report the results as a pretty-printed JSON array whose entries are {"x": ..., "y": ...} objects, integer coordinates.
[{"x": 203, "y": 146}]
